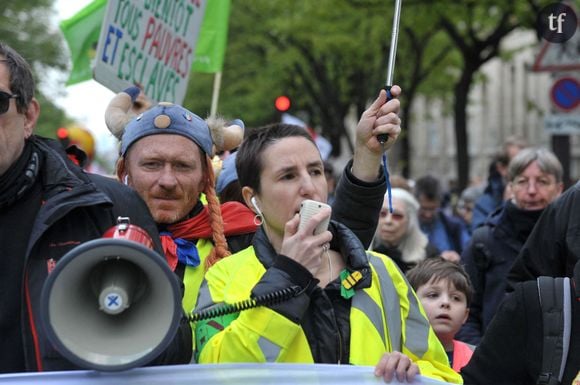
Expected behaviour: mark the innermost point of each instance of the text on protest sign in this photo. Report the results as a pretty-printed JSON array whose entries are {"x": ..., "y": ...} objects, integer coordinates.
[{"x": 149, "y": 43}]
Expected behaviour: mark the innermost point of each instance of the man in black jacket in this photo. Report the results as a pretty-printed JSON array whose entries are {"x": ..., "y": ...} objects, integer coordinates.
[
  {"x": 512, "y": 349},
  {"x": 48, "y": 205}
]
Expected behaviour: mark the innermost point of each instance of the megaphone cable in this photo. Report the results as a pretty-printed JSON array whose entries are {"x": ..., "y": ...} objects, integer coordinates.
[{"x": 261, "y": 300}]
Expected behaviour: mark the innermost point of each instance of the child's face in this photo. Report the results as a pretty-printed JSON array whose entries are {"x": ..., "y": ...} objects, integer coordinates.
[{"x": 446, "y": 307}]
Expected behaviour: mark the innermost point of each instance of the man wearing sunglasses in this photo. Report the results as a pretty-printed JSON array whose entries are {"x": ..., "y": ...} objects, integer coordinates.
[{"x": 48, "y": 205}]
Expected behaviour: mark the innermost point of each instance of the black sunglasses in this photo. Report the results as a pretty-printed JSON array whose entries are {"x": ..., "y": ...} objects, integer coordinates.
[{"x": 5, "y": 101}]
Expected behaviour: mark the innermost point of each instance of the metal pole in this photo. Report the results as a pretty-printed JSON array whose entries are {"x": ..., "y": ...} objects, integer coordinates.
[
  {"x": 393, "y": 47},
  {"x": 382, "y": 138}
]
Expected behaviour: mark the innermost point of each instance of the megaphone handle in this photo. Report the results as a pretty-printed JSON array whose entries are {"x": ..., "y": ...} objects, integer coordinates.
[{"x": 382, "y": 138}]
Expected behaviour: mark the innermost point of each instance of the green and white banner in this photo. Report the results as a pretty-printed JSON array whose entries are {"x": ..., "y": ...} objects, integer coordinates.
[{"x": 82, "y": 30}]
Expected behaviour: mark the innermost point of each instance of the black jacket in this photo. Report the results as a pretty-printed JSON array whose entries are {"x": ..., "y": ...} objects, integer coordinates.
[
  {"x": 488, "y": 259},
  {"x": 77, "y": 207},
  {"x": 553, "y": 247},
  {"x": 320, "y": 308},
  {"x": 511, "y": 350}
]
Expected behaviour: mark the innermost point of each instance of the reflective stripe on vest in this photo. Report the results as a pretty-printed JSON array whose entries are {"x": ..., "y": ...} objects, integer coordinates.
[
  {"x": 416, "y": 325},
  {"x": 269, "y": 349},
  {"x": 371, "y": 310},
  {"x": 391, "y": 304},
  {"x": 204, "y": 299}
]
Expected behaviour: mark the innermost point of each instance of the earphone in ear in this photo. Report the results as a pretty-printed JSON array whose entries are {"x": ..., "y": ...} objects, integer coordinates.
[
  {"x": 253, "y": 200},
  {"x": 126, "y": 179}
]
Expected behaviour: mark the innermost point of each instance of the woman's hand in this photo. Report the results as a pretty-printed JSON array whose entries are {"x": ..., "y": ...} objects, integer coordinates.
[
  {"x": 398, "y": 364},
  {"x": 381, "y": 118},
  {"x": 304, "y": 247}
]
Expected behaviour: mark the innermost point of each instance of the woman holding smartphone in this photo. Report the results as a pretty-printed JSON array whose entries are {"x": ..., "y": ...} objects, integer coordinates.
[{"x": 346, "y": 306}]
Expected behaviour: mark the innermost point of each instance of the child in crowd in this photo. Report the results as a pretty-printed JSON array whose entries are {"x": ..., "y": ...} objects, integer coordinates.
[{"x": 444, "y": 289}]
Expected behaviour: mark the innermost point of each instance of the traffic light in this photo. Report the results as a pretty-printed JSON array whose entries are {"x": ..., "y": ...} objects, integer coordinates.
[
  {"x": 282, "y": 103},
  {"x": 62, "y": 136}
]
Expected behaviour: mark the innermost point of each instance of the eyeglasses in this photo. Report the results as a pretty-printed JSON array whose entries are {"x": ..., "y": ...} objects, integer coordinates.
[
  {"x": 5, "y": 101},
  {"x": 396, "y": 216},
  {"x": 539, "y": 183}
]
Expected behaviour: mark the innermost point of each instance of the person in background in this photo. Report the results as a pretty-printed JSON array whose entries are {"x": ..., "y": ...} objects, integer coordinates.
[
  {"x": 48, "y": 205},
  {"x": 398, "y": 234},
  {"x": 227, "y": 185},
  {"x": 512, "y": 350},
  {"x": 553, "y": 247},
  {"x": 535, "y": 180},
  {"x": 495, "y": 191},
  {"x": 79, "y": 144},
  {"x": 446, "y": 233},
  {"x": 444, "y": 289},
  {"x": 373, "y": 318},
  {"x": 399, "y": 181},
  {"x": 450, "y": 196},
  {"x": 466, "y": 204},
  {"x": 330, "y": 180}
]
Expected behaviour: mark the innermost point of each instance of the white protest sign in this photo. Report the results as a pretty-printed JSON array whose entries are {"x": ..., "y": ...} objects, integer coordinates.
[{"x": 149, "y": 43}]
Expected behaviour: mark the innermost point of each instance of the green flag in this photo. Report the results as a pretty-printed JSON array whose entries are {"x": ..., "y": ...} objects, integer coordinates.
[
  {"x": 82, "y": 34},
  {"x": 213, "y": 36}
]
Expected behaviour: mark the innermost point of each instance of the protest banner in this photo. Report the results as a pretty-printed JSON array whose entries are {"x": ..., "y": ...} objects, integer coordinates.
[
  {"x": 149, "y": 43},
  {"x": 82, "y": 30}
]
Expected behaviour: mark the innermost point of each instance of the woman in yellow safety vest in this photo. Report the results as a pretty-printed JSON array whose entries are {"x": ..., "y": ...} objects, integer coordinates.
[{"x": 325, "y": 299}]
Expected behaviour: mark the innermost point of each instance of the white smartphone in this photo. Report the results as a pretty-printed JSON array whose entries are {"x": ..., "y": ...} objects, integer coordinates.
[{"x": 308, "y": 208}]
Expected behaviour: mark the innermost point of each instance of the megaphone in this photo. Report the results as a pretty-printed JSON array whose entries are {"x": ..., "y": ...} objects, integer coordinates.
[{"x": 113, "y": 303}]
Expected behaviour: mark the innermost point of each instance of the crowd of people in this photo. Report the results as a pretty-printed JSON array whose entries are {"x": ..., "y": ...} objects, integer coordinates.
[{"x": 396, "y": 281}]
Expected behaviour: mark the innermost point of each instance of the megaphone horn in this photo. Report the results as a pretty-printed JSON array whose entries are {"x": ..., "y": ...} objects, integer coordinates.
[{"x": 112, "y": 303}]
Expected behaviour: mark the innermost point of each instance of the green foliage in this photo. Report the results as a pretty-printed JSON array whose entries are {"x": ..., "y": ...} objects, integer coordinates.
[
  {"x": 331, "y": 55},
  {"x": 51, "y": 118},
  {"x": 28, "y": 27},
  {"x": 327, "y": 56}
]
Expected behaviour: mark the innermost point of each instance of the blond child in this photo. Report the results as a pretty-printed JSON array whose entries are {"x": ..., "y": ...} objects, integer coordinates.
[{"x": 444, "y": 289}]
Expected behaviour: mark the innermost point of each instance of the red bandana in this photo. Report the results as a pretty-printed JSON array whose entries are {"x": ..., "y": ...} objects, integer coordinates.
[{"x": 238, "y": 219}]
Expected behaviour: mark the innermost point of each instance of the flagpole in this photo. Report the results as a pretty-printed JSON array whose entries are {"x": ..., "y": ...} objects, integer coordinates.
[{"x": 217, "y": 81}]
